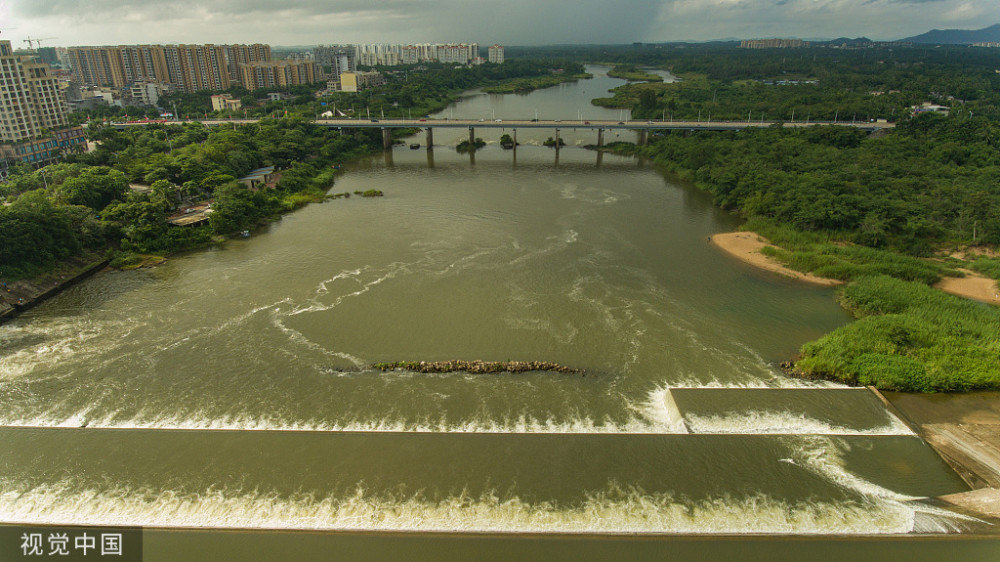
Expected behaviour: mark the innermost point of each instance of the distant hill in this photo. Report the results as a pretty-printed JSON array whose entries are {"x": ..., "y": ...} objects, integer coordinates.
[
  {"x": 857, "y": 41},
  {"x": 958, "y": 36}
]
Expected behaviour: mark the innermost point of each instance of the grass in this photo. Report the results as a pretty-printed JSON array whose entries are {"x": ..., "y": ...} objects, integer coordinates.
[
  {"x": 527, "y": 84},
  {"x": 131, "y": 260},
  {"x": 633, "y": 74},
  {"x": 989, "y": 267},
  {"x": 909, "y": 337},
  {"x": 302, "y": 198},
  {"x": 826, "y": 256}
]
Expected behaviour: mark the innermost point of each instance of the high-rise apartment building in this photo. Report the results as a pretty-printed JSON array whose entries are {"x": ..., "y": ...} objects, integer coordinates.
[
  {"x": 258, "y": 75},
  {"x": 32, "y": 110},
  {"x": 340, "y": 58},
  {"x": 187, "y": 67},
  {"x": 197, "y": 67},
  {"x": 97, "y": 66},
  {"x": 30, "y": 100},
  {"x": 496, "y": 54},
  {"x": 452, "y": 53},
  {"x": 245, "y": 54}
]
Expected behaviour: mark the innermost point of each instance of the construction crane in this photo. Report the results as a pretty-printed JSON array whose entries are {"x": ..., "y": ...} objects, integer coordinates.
[{"x": 37, "y": 41}]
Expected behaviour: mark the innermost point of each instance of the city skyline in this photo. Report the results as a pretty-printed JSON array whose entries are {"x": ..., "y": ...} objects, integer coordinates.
[{"x": 309, "y": 22}]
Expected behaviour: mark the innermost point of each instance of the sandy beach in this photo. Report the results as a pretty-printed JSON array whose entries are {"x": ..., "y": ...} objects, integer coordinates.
[
  {"x": 746, "y": 246},
  {"x": 972, "y": 286}
]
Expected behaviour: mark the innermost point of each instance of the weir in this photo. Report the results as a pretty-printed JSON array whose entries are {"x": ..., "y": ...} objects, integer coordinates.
[
  {"x": 471, "y": 482},
  {"x": 827, "y": 411}
]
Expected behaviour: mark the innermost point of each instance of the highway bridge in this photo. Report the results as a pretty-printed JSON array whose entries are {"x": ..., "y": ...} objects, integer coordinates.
[{"x": 642, "y": 127}]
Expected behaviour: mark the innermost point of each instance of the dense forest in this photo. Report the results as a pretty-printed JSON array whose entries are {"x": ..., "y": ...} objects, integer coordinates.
[{"x": 816, "y": 83}]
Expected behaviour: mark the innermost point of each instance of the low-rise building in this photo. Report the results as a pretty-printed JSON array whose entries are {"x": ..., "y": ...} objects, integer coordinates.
[
  {"x": 357, "y": 81},
  {"x": 928, "y": 107},
  {"x": 224, "y": 102},
  {"x": 149, "y": 93},
  {"x": 47, "y": 149},
  {"x": 772, "y": 43},
  {"x": 261, "y": 177}
]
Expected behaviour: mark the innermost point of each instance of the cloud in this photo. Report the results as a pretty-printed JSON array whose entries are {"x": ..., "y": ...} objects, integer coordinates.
[
  {"x": 879, "y": 19},
  {"x": 317, "y": 21},
  {"x": 512, "y": 22}
]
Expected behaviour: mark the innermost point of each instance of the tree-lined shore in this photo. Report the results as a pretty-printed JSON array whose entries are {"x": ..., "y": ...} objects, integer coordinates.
[{"x": 889, "y": 214}]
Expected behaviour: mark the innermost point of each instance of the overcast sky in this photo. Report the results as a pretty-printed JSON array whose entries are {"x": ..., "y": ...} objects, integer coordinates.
[{"x": 508, "y": 22}]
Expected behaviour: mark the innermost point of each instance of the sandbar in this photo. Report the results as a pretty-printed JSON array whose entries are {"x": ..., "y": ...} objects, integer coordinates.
[{"x": 746, "y": 246}]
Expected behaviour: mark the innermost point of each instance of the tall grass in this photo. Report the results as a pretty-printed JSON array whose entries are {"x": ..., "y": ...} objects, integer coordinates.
[
  {"x": 909, "y": 337},
  {"x": 989, "y": 267}
]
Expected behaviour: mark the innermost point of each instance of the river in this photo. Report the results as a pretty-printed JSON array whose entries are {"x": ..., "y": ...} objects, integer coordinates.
[{"x": 230, "y": 388}]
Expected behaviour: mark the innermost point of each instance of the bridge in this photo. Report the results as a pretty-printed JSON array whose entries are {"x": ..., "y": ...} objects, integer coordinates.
[{"x": 642, "y": 127}]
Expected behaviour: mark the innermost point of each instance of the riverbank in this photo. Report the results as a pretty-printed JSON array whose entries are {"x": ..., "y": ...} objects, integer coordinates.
[
  {"x": 964, "y": 429},
  {"x": 972, "y": 286},
  {"x": 633, "y": 74},
  {"x": 746, "y": 246},
  {"x": 18, "y": 296},
  {"x": 526, "y": 85}
]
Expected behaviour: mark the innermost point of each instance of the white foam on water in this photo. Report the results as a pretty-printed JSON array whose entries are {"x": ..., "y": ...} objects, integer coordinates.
[
  {"x": 608, "y": 511},
  {"x": 656, "y": 414},
  {"x": 771, "y": 381},
  {"x": 59, "y": 340},
  {"x": 661, "y": 411},
  {"x": 770, "y": 422},
  {"x": 874, "y": 509},
  {"x": 825, "y": 459},
  {"x": 246, "y": 422},
  {"x": 297, "y": 337}
]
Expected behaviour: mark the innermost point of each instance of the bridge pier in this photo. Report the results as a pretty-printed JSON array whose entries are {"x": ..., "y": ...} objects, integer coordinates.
[
  {"x": 643, "y": 137},
  {"x": 515, "y": 140},
  {"x": 386, "y": 138},
  {"x": 600, "y": 138},
  {"x": 472, "y": 136},
  {"x": 430, "y": 138},
  {"x": 557, "y": 140}
]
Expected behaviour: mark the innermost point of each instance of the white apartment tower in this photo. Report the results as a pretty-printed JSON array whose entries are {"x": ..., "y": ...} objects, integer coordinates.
[{"x": 496, "y": 54}]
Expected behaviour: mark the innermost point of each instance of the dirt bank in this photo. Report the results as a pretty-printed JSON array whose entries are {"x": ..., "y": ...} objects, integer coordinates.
[
  {"x": 972, "y": 286},
  {"x": 746, "y": 246},
  {"x": 18, "y": 296}
]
